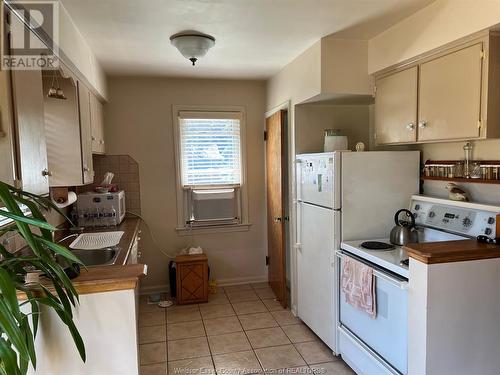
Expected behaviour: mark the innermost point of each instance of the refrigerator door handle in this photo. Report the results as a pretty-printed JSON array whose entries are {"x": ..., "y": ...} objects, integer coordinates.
[{"x": 298, "y": 246}]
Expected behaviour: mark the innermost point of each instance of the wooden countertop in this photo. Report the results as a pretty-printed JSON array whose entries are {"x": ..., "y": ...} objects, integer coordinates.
[
  {"x": 104, "y": 279},
  {"x": 452, "y": 251}
]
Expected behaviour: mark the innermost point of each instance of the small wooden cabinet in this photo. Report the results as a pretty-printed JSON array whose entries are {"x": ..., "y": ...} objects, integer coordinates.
[
  {"x": 450, "y": 94},
  {"x": 192, "y": 278}
]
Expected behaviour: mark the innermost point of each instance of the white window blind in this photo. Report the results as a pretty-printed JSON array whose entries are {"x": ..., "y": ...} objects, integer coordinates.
[{"x": 210, "y": 148}]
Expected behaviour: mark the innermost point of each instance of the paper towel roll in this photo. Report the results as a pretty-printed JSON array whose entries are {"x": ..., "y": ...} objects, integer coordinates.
[{"x": 71, "y": 199}]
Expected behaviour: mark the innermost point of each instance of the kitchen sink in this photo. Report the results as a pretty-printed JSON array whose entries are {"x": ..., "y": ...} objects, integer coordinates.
[{"x": 97, "y": 257}]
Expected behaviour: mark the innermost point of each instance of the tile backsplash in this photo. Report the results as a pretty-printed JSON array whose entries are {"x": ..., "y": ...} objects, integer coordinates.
[{"x": 126, "y": 171}]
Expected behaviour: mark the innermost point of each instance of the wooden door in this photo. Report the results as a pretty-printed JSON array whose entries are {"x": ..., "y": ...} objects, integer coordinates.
[
  {"x": 86, "y": 133},
  {"x": 396, "y": 107},
  {"x": 450, "y": 96},
  {"x": 275, "y": 176}
]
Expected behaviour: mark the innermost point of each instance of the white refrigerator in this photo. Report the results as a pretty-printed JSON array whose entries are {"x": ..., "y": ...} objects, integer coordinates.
[{"x": 343, "y": 196}]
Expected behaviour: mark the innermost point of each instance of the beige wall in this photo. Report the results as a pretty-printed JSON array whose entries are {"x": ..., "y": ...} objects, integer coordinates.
[
  {"x": 138, "y": 122},
  {"x": 343, "y": 66},
  {"x": 311, "y": 120},
  {"x": 298, "y": 81},
  {"x": 433, "y": 26}
]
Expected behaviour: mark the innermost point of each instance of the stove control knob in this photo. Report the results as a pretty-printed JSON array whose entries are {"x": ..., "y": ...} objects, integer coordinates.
[
  {"x": 487, "y": 231},
  {"x": 432, "y": 214},
  {"x": 467, "y": 222},
  {"x": 491, "y": 220},
  {"x": 417, "y": 207}
]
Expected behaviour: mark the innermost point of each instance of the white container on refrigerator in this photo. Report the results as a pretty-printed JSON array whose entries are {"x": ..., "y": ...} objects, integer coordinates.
[{"x": 343, "y": 195}]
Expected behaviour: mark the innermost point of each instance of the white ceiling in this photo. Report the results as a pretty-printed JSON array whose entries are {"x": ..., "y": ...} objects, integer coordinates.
[{"x": 254, "y": 38}]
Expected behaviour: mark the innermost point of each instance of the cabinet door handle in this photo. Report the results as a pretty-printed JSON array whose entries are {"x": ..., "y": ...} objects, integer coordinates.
[
  {"x": 85, "y": 169},
  {"x": 410, "y": 126},
  {"x": 101, "y": 142},
  {"x": 46, "y": 173},
  {"x": 93, "y": 138},
  {"x": 277, "y": 219},
  {"x": 422, "y": 124}
]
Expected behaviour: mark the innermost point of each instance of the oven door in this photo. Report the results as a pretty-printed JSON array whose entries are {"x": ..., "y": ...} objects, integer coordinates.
[{"x": 387, "y": 333}]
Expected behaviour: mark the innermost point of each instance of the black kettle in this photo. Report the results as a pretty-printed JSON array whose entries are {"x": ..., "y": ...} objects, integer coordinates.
[{"x": 404, "y": 232}]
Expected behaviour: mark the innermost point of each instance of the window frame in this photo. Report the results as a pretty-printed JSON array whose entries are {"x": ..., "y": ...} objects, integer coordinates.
[{"x": 182, "y": 193}]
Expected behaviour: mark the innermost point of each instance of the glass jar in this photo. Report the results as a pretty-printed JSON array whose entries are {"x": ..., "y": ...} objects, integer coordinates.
[{"x": 475, "y": 170}]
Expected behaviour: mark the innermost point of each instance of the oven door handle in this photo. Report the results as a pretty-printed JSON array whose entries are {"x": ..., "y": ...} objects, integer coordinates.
[{"x": 398, "y": 283}]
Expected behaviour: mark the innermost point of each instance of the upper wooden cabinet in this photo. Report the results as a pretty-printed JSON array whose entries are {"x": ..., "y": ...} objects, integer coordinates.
[
  {"x": 23, "y": 154},
  {"x": 85, "y": 133},
  {"x": 396, "y": 107},
  {"x": 96, "y": 112},
  {"x": 67, "y": 127},
  {"x": 450, "y": 96},
  {"x": 7, "y": 166},
  {"x": 447, "y": 95},
  {"x": 32, "y": 164}
]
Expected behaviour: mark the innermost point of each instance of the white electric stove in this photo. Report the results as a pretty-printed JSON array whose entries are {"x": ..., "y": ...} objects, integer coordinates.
[
  {"x": 395, "y": 259},
  {"x": 378, "y": 346}
]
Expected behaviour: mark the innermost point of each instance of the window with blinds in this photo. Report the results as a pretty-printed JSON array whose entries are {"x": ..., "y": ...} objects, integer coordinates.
[{"x": 210, "y": 148}]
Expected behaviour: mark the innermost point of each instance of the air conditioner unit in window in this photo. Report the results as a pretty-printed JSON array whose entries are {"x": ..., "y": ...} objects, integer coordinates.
[{"x": 214, "y": 206}]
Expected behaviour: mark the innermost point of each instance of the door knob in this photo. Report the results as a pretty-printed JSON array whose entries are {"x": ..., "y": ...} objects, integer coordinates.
[
  {"x": 410, "y": 126},
  {"x": 277, "y": 219},
  {"x": 46, "y": 173},
  {"x": 422, "y": 124}
]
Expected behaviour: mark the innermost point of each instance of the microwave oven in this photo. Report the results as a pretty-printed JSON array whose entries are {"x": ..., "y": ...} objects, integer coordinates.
[{"x": 100, "y": 209}]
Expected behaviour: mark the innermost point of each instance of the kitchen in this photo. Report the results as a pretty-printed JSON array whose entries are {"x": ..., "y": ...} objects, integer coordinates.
[{"x": 400, "y": 79}]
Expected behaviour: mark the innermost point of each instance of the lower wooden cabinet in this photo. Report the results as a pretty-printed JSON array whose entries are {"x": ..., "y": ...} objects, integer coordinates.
[{"x": 192, "y": 278}]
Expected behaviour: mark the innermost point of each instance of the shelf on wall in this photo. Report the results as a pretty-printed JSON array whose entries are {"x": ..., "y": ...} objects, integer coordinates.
[{"x": 463, "y": 180}]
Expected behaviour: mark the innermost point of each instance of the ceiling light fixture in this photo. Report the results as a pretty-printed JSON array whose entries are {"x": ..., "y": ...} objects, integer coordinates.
[{"x": 192, "y": 44}]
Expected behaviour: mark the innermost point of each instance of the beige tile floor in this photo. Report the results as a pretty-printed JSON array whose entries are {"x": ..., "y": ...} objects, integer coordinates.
[{"x": 241, "y": 330}]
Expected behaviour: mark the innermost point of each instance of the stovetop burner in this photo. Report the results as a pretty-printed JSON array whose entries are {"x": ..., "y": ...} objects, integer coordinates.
[{"x": 376, "y": 245}]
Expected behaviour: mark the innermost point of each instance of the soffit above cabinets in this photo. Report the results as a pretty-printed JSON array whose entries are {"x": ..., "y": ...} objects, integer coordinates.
[{"x": 338, "y": 71}]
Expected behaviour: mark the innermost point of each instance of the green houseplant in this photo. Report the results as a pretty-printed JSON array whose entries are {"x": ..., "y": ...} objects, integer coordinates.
[{"x": 57, "y": 293}]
